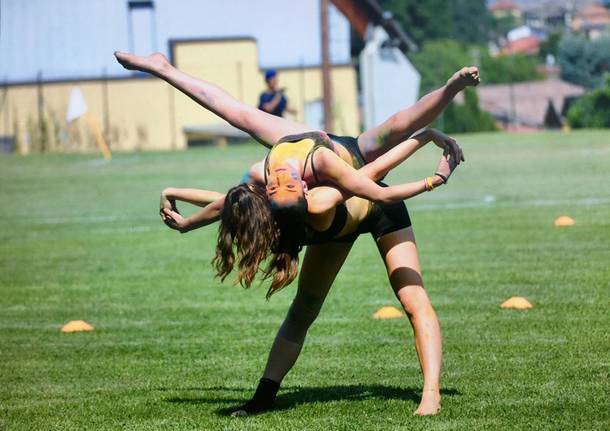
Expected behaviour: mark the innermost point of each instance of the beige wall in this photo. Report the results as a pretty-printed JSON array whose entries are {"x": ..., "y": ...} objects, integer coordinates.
[{"x": 147, "y": 114}]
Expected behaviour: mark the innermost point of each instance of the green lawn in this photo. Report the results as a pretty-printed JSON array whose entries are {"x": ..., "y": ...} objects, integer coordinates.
[{"x": 173, "y": 348}]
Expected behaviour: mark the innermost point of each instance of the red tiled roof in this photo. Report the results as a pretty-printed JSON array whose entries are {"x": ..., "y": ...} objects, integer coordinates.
[
  {"x": 503, "y": 5},
  {"x": 594, "y": 14},
  {"x": 527, "y": 45}
]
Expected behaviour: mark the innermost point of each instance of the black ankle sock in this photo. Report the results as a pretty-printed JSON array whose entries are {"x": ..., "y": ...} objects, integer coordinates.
[{"x": 263, "y": 398}]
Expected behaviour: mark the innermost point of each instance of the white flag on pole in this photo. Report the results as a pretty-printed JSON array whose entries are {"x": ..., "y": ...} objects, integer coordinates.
[{"x": 77, "y": 106}]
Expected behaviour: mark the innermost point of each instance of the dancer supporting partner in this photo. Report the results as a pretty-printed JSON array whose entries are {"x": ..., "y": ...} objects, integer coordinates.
[
  {"x": 333, "y": 230},
  {"x": 323, "y": 261}
]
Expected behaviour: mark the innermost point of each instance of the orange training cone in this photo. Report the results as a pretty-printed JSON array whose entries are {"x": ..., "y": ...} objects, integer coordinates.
[
  {"x": 564, "y": 221},
  {"x": 517, "y": 302},
  {"x": 388, "y": 313},
  {"x": 76, "y": 326}
]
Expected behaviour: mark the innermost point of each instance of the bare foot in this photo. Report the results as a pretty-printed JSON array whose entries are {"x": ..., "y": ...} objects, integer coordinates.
[
  {"x": 465, "y": 77},
  {"x": 430, "y": 404},
  {"x": 153, "y": 63}
]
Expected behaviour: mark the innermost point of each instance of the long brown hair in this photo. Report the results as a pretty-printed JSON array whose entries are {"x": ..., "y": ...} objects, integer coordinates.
[{"x": 249, "y": 234}]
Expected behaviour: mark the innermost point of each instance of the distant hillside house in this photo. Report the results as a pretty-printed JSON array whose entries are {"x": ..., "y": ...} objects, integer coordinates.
[
  {"x": 50, "y": 47},
  {"x": 526, "y": 46},
  {"x": 528, "y": 105},
  {"x": 552, "y": 15},
  {"x": 504, "y": 9},
  {"x": 593, "y": 20}
]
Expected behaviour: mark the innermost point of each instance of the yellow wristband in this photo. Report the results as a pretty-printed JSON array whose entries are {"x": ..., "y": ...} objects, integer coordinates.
[{"x": 430, "y": 184}]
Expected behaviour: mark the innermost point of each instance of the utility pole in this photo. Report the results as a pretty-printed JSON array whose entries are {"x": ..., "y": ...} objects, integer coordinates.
[
  {"x": 327, "y": 95},
  {"x": 42, "y": 129},
  {"x": 105, "y": 105}
]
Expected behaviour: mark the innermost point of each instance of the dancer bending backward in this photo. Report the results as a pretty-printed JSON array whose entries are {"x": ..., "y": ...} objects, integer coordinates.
[{"x": 323, "y": 261}]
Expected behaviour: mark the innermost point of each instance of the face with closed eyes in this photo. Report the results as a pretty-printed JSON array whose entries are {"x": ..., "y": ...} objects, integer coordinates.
[{"x": 285, "y": 187}]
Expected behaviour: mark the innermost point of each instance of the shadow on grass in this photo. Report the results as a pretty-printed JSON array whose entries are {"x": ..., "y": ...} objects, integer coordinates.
[{"x": 290, "y": 397}]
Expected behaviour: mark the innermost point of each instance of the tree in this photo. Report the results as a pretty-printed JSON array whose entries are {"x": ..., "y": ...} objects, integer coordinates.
[
  {"x": 472, "y": 21},
  {"x": 550, "y": 45},
  {"x": 508, "y": 68},
  {"x": 593, "y": 109},
  {"x": 501, "y": 26},
  {"x": 467, "y": 117},
  {"x": 584, "y": 62},
  {"x": 466, "y": 21},
  {"x": 422, "y": 20},
  {"x": 437, "y": 61}
]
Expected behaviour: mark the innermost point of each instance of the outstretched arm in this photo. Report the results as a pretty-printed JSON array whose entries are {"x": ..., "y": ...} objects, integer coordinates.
[
  {"x": 321, "y": 199},
  {"x": 353, "y": 182}
]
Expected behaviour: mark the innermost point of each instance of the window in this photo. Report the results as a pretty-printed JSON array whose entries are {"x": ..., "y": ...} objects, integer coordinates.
[{"x": 141, "y": 27}]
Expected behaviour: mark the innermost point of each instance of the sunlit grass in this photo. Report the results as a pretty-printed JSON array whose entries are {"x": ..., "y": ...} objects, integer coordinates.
[{"x": 173, "y": 348}]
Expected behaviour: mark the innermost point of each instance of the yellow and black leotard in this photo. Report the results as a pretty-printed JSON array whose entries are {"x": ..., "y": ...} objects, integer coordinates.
[
  {"x": 304, "y": 145},
  {"x": 354, "y": 216}
]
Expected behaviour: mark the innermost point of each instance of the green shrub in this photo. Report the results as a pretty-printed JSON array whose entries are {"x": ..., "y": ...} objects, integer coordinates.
[
  {"x": 440, "y": 59},
  {"x": 467, "y": 117},
  {"x": 592, "y": 110},
  {"x": 584, "y": 62},
  {"x": 509, "y": 68}
]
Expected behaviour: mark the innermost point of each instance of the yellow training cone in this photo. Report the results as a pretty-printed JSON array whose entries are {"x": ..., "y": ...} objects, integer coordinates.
[
  {"x": 518, "y": 302},
  {"x": 564, "y": 221},
  {"x": 76, "y": 326},
  {"x": 387, "y": 313}
]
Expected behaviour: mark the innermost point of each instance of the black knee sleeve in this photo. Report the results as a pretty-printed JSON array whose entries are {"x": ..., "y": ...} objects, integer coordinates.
[{"x": 302, "y": 313}]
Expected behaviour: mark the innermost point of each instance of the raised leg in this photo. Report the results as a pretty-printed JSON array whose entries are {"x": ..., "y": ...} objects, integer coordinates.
[
  {"x": 264, "y": 127},
  {"x": 318, "y": 271},
  {"x": 403, "y": 124},
  {"x": 399, "y": 252}
]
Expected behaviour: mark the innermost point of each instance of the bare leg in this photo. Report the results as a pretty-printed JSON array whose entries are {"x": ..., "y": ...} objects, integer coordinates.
[
  {"x": 403, "y": 124},
  {"x": 399, "y": 252},
  {"x": 263, "y": 127},
  {"x": 320, "y": 267}
]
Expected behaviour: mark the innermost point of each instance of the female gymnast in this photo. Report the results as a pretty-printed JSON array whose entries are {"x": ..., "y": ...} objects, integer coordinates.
[{"x": 323, "y": 261}]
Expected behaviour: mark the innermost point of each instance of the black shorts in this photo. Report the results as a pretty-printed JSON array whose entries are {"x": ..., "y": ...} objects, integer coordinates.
[{"x": 383, "y": 218}]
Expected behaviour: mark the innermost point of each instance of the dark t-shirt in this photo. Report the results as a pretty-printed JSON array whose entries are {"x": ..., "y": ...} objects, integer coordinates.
[{"x": 266, "y": 97}]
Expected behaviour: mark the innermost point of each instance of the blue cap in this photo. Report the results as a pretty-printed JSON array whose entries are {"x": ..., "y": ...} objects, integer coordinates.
[{"x": 270, "y": 74}]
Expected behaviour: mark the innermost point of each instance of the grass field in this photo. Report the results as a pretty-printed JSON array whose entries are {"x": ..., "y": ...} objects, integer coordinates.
[{"x": 173, "y": 348}]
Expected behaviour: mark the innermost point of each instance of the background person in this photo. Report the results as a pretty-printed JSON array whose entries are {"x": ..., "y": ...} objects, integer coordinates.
[{"x": 273, "y": 100}]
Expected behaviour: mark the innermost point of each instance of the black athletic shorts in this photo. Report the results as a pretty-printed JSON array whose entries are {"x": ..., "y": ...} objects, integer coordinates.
[
  {"x": 385, "y": 219},
  {"x": 381, "y": 220}
]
